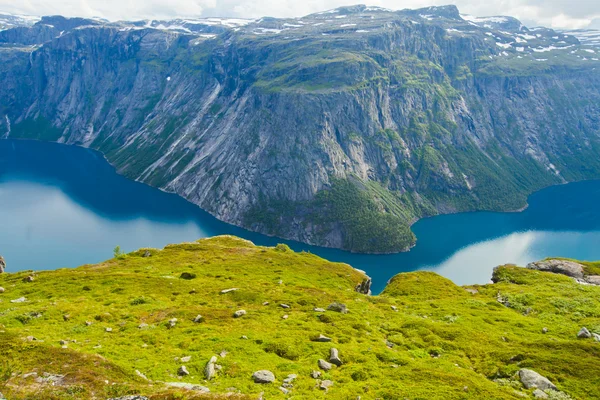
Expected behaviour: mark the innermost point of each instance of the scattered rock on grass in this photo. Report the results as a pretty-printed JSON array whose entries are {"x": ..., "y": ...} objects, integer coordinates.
[
  {"x": 338, "y": 307},
  {"x": 188, "y": 276},
  {"x": 182, "y": 371},
  {"x": 19, "y": 300},
  {"x": 225, "y": 291},
  {"x": 290, "y": 378},
  {"x": 544, "y": 330},
  {"x": 239, "y": 313},
  {"x": 198, "y": 318},
  {"x": 143, "y": 325},
  {"x": 263, "y": 376},
  {"x": 172, "y": 322},
  {"x": 2, "y": 265},
  {"x": 319, "y": 309},
  {"x": 334, "y": 357},
  {"x": 596, "y": 337},
  {"x": 108, "y": 329},
  {"x": 2, "y": 290},
  {"x": 539, "y": 394},
  {"x": 584, "y": 333},
  {"x": 131, "y": 397},
  {"x": 326, "y": 384},
  {"x": 144, "y": 377},
  {"x": 29, "y": 278},
  {"x": 284, "y": 306},
  {"x": 321, "y": 338},
  {"x": 210, "y": 370},
  {"x": 186, "y": 359},
  {"x": 562, "y": 267},
  {"x": 532, "y": 379},
  {"x": 315, "y": 374},
  {"x": 188, "y": 386},
  {"x": 324, "y": 365},
  {"x": 364, "y": 287}
]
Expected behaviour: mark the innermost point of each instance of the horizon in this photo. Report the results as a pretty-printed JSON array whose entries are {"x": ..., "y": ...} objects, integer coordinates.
[{"x": 203, "y": 9}]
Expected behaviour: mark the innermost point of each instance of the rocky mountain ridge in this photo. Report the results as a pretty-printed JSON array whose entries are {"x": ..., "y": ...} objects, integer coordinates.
[{"x": 339, "y": 129}]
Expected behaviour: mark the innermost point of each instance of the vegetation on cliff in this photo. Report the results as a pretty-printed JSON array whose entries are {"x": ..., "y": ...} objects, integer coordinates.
[{"x": 83, "y": 333}]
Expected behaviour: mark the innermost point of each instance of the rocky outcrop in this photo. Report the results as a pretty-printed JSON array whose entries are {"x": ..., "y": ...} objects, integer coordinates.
[
  {"x": 564, "y": 267},
  {"x": 343, "y": 141}
]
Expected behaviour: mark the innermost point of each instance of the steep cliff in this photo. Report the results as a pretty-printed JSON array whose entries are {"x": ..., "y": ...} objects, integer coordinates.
[{"x": 338, "y": 129}]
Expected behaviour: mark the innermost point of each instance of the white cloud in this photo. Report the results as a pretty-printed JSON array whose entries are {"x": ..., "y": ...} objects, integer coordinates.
[{"x": 552, "y": 13}]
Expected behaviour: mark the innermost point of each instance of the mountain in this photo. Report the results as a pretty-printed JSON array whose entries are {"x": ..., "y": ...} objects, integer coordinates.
[
  {"x": 339, "y": 129},
  {"x": 127, "y": 327}
]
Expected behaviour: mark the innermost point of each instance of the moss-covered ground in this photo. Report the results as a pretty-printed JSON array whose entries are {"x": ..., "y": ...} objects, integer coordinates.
[{"x": 422, "y": 338}]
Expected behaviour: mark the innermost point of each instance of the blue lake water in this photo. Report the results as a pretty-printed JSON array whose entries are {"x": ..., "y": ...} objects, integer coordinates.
[{"x": 63, "y": 206}]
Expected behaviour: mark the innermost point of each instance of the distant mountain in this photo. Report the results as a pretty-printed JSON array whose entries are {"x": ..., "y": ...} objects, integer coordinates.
[{"x": 339, "y": 128}]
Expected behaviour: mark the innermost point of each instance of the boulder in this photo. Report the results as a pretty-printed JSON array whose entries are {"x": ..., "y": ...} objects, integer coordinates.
[
  {"x": 321, "y": 338},
  {"x": 326, "y": 384},
  {"x": 563, "y": 267},
  {"x": 239, "y": 313},
  {"x": 188, "y": 386},
  {"x": 532, "y": 379},
  {"x": 210, "y": 370},
  {"x": 584, "y": 333},
  {"x": 2, "y": 265},
  {"x": 334, "y": 357},
  {"x": 263, "y": 376},
  {"x": 364, "y": 287},
  {"x": 182, "y": 371},
  {"x": 324, "y": 365},
  {"x": 338, "y": 307},
  {"x": 593, "y": 279}
]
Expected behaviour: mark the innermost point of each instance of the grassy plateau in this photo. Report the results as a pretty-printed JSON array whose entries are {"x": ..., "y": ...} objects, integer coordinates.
[{"x": 422, "y": 338}]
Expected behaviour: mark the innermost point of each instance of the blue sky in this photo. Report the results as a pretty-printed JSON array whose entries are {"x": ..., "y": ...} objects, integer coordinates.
[{"x": 551, "y": 13}]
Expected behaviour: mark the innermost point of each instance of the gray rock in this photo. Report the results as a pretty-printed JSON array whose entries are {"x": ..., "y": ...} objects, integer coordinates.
[
  {"x": 472, "y": 291},
  {"x": 364, "y": 287},
  {"x": 544, "y": 330},
  {"x": 2, "y": 265},
  {"x": 284, "y": 306},
  {"x": 596, "y": 337},
  {"x": 19, "y": 300},
  {"x": 172, "y": 322},
  {"x": 182, "y": 371},
  {"x": 88, "y": 323},
  {"x": 593, "y": 279},
  {"x": 284, "y": 390},
  {"x": 324, "y": 365},
  {"x": 394, "y": 308},
  {"x": 108, "y": 330},
  {"x": 325, "y": 385},
  {"x": 563, "y": 267},
  {"x": 186, "y": 359},
  {"x": 285, "y": 316},
  {"x": 2, "y": 290},
  {"x": 130, "y": 397},
  {"x": 584, "y": 333},
  {"x": 198, "y": 318},
  {"x": 263, "y": 376},
  {"x": 188, "y": 386},
  {"x": 532, "y": 379},
  {"x": 321, "y": 338},
  {"x": 290, "y": 378},
  {"x": 319, "y": 309},
  {"x": 334, "y": 357},
  {"x": 239, "y": 313},
  {"x": 209, "y": 369},
  {"x": 338, "y": 307},
  {"x": 146, "y": 254},
  {"x": 143, "y": 325},
  {"x": 29, "y": 278},
  {"x": 315, "y": 374},
  {"x": 225, "y": 291},
  {"x": 539, "y": 394},
  {"x": 144, "y": 377}
]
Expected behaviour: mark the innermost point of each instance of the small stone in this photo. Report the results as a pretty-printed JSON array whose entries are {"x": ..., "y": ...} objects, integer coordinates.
[
  {"x": 326, "y": 384},
  {"x": 319, "y": 309},
  {"x": 198, "y": 318},
  {"x": 244, "y": 337},
  {"x": 324, "y": 365},
  {"x": 596, "y": 337},
  {"x": 584, "y": 333},
  {"x": 172, "y": 322},
  {"x": 209, "y": 369},
  {"x": 146, "y": 254},
  {"x": 539, "y": 394},
  {"x": 62, "y": 342},
  {"x": 239, "y": 313},
  {"x": 544, "y": 330},
  {"x": 19, "y": 300},
  {"x": 223, "y": 354},
  {"x": 29, "y": 278},
  {"x": 66, "y": 317},
  {"x": 394, "y": 308},
  {"x": 290, "y": 378},
  {"x": 225, "y": 291},
  {"x": 321, "y": 338},
  {"x": 334, "y": 357},
  {"x": 284, "y": 390},
  {"x": 188, "y": 386},
  {"x": 186, "y": 359},
  {"x": 263, "y": 376},
  {"x": 143, "y": 325},
  {"x": 472, "y": 291},
  {"x": 182, "y": 371},
  {"x": 389, "y": 344},
  {"x": 315, "y": 374},
  {"x": 188, "y": 276},
  {"x": 266, "y": 303},
  {"x": 284, "y": 306},
  {"x": 532, "y": 379},
  {"x": 285, "y": 316},
  {"x": 280, "y": 282},
  {"x": 144, "y": 377},
  {"x": 88, "y": 323},
  {"x": 108, "y": 329},
  {"x": 338, "y": 307},
  {"x": 2, "y": 290}
]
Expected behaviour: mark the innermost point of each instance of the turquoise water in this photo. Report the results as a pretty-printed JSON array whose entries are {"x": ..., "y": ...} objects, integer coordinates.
[{"x": 64, "y": 206}]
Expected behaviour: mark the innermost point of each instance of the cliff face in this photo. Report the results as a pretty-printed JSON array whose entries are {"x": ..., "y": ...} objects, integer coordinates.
[{"x": 337, "y": 129}]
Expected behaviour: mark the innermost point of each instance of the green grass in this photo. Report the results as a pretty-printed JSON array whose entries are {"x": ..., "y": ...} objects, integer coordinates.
[{"x": 446, "y": 342}]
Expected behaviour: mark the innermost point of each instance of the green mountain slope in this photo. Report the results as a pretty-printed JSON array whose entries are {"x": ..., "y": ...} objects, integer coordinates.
[{"x": 422, "y": 338}]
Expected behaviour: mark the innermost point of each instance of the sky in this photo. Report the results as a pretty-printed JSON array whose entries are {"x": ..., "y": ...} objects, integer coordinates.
[{"x": 571, "y": 14}]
